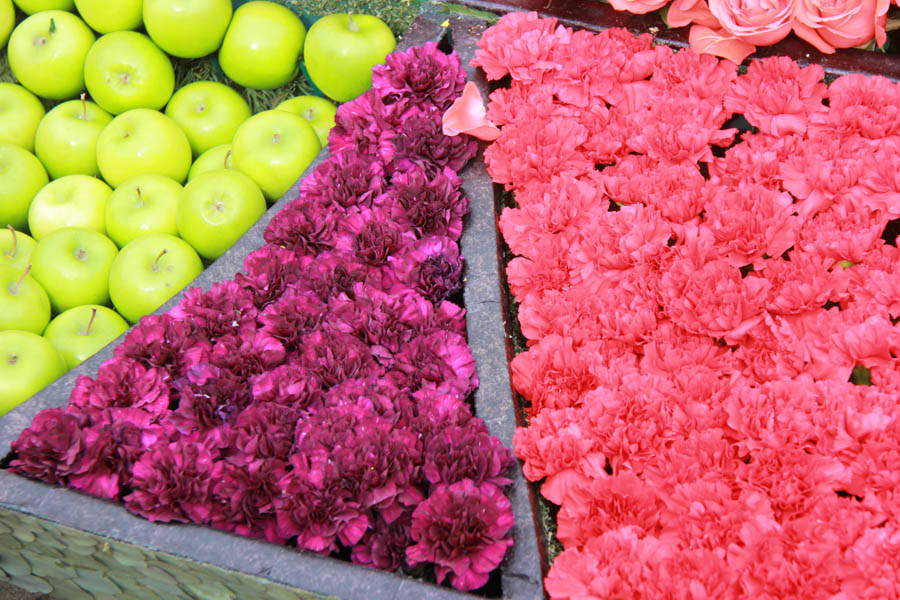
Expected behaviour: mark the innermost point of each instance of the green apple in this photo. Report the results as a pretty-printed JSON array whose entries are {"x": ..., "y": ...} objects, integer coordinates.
[
  {"x": 208, "y": 112},
  {"x": 273, "y": 148},
  {"x": 148, "y": 271},
  {"x": 219, "y": 207},
  {"x": 21, "y": 177},
  {"x": 214, "y": 158},
  {"x": 187, "y": 28},
  {"x": 47, "y": 52},
  {"x": 20, "y": 113},
  {"x": 66, "y": 138},
  {"x": 16, "y": 248},
  {"x": 29, "y": 7},
  {"x": 318, "y": 111},
  {"x": 82, "y": 331},
  {"x": 23, "y": 302},
  {"x": 72, "y": 265},
  {"x": 125, "y": 70},
  {"x": 70, "y": 201},
  {"x": 341, "y": 50},
  {"x": 7, "y": 20},
  {"x": 105, "y": 19},
  {"x": 28, "y": 363},
  {"x": 262, "y": 45},
  {"x": 143, "y": 204},
  {"x": 142, "y": 141}
]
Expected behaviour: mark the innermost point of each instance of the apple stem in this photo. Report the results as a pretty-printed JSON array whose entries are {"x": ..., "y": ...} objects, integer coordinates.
[
  {"x": 15, "y": 289},
  {"x": 11, "y": 253},
  {"x": 140, "y": 197},
  {"x": 225, "y": 162},
  {"x": 52, "y": 26},
  {"x": 351, "y": 24},
  {"x": 155, "y": 265},
  {"x": 83, "y": 107},
  {"x": 87, "y": 330}
]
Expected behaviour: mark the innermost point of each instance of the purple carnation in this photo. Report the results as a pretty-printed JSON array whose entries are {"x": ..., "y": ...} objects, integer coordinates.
[
  {"x": 334, "y": 357},
  {"x": 289, "y": 384},
  {"x": 422, "y": 74},
  {"x": 51, "y": 448},
  {"x": 172, "y": 482},
  {"x": 270, "y": 270},
  {"x": 208, "y": 396},
  {"x": 384, "y": 545},
  {"x": 432, "y": 413},
  {"x": 111, "y": 449},
  {"x": 467, "y": 452},
  {"x": 462, "y": 529},
  {"x": 249, "y": 354},
  {"x": 375, "y": 393},
  {"x": 432, "y": 267},
  {"x": 332, "y": 274},
  {"x": 427, "y": 205},
  {"x": 371, "y": 236},
  {"x": 227, "y": 308},
  {"x": 265, "y": 430},
  {"x": 161, "y": 341},
  {"x": 420, "y": 141},
  {"x": 127, "y": 388},
  {"x": 292, "y": 316},
  {"x": 360, "y": 123},
  {"x": 343, "y": 181},
  {"x": 440, "y": 362},
  {"x": 244, "y": 499},
  {"x": 303, "y": 227}
]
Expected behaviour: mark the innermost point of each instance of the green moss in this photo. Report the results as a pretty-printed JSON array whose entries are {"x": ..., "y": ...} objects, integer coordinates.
[{"x": 398, "y": 14}]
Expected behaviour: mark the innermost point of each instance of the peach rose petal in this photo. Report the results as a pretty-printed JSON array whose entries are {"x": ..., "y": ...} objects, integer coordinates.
[
  {"x": 685, "y": 12},
  {"x": 719, "y": 43},
  {"x": 468, "y": 115}
]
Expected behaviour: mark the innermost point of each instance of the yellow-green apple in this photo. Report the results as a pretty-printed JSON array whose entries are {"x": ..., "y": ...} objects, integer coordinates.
[
  {"x": 82, "y": 331},
  {"x": 28, "y": 363},
  {"x": 214, "y": 158},
  {"x": 218, "y": 208},
  {"x": 21, "y": 177},
  {"x": 143, "y": 204},
  {"x": 315, "y": 109},
  {"x": 47, "y": 52},
  {"x": 125, "y": 70},
  {"x": 106, "y": 18},
  {"x": 262, "y": 45},
  {"x": 23, "y": 302},
  {"x": 341, "y": 50},
  {"x": 73, "y": 266},
  {"x": 273, "y": 148},
  {"x": 66, "y": 138},
  {"x": 29, "y": 7},
  {"x": 148, "y": 271},
  {"x": 142, "y": 141},
  {"x": 70, "y": 201},
  {"x": 208, "y": 112},
  {"x": 20, "y": 113},
  {"x": 7, "y": 20},
  {"x": 16, "y": 248},
  {"x": 187, "y": 28}
]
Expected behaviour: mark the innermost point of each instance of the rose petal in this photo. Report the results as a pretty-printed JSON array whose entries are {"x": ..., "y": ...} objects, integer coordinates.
[
  {"x": 468, "y": 115},
  {"x": 718, "y": 43}
]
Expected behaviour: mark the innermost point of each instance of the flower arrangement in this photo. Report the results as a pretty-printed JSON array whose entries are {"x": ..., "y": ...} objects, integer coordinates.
[
  {"x": 319, "y": 398},
  {"x": 711, "y": 372}
]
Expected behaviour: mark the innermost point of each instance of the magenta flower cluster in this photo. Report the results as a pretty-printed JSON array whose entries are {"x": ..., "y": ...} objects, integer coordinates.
[{"x": 318, "y": 398}]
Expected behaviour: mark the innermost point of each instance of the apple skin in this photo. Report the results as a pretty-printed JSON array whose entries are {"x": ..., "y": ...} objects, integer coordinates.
[
  {"x": 218, "y": 157},
  {"x": 273, "y": 148},
  {"x": 341, "y": 50},
  {"x": 28, "y": 363},
  {"x": 70, "y": 201},
  {"x": 53, "y": 68},
  {"x": 7, "y": 20},
  {"x": 262, "y": 45},
  {"x": 125, "y": 70},
  {"x": 20, "y": 113},
  {"x": 29, "y": 7},
  {"x": 66, "y": 138},
  {"x": 16, "y": 248},
  {"x": 187, "y": 28},
  {"x": 318, "y": 111},
  {"x": 219, "y": 207},
  {"x": 23, "y": 302},
  {"x": 21, "y": 177},
  {"x": 143, "y": 277},
  {"x": 142, "y": 141},
  {"x": 208, "y": 112},
  {"x": 143, "y": 204},
  {"x": 72, "y": 265},
  {"x": 97, "y": 14},
  {"x": 75, "y": 342}
]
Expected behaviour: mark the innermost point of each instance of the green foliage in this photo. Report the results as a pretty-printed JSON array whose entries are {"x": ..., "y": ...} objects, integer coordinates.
[{"x": 398, "y": 14}]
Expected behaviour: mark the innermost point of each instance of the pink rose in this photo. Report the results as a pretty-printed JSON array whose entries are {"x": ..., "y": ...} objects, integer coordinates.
[
  {"x": 830, "y": 24},
  {"x": 719, "y": 42},
  {"x": 757, "y": 22},
  {"x": 638, "y": 7}
]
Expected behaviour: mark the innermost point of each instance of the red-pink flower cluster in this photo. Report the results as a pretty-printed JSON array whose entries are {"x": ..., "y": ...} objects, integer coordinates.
[
  {"x": 319, "y": 398},
  {"x": 702, "y": 305}
]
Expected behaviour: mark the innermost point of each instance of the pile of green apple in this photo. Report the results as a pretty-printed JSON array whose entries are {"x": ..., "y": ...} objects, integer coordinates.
[{"x": 126, "y": 194}]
